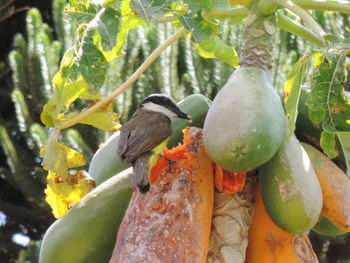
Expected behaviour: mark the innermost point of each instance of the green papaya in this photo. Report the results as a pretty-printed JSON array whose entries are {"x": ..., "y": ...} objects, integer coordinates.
[
  {"x": 327, "y": 228},
  {"x": 87, "y": 233},
  {"x": 106, "y": 163},
  {"x": 197, "y": 106},
  {"x": 246, "y": 124},
  {"x": 290, "y": 188}
]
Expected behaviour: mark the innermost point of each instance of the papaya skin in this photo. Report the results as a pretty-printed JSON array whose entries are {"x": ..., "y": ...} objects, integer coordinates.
[
  {"x": 335, "y": 187},
  {"x": 86, "y": 233},
  {"x": 267, "y": 243},
  {"x": 172, "y": 222},
  {"x": 290, "y": 188},
  {"x": 327, "y": 228},
  {"x": 246, "y": 124}
]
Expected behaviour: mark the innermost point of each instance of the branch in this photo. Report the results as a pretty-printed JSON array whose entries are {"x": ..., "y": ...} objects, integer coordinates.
[
  {"x": 291, "y": 26},
  {"x": 335, "y": 6},
  {"x": 144, "y": 66},
  {"x": 305, "y": 16}
]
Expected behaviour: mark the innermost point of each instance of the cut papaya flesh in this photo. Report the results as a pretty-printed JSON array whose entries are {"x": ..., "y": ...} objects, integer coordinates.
[
  {"x": 228, "y": 182},
  {"x": 171, "y": 222}
]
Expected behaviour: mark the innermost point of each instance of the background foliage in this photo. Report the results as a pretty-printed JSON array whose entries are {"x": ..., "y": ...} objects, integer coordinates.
[{"x": 25, "y": 87}]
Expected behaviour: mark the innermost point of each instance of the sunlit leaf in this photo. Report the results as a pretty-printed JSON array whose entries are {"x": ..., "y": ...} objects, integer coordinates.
[
  {"x": 195, "y": 5},
  {"x": 82, "y": 11},
  {"x": 62, "y": 192},
  {"x": 215, "y": 47},
  {"x": 58, "y": 157},
  {"x": 292, "y": 89},
  {"x": 108, "y": 27},
  {"x": 106, "y": 121},
  {"x": 129, "y": 21},
  {"x": 327, "y": 102},
  {"x": 150, "y": 10},
  {"x": 198, "y": 28},
  {"x": 91, "y": 61},
  {"x": 65, "y": 94}
]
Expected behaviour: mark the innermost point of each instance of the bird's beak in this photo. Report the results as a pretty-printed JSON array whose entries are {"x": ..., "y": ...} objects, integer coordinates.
[{"x": 181, "y": 114}]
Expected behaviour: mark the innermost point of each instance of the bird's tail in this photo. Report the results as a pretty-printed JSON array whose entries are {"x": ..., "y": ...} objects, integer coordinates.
[{"x": 141, "y": 173}]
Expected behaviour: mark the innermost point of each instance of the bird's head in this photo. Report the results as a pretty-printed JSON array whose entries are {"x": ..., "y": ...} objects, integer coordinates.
[{"x": 164, "y": 104}]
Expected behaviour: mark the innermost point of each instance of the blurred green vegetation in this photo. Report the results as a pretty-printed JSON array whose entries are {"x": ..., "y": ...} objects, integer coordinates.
[{"x": 179, "y": 71}]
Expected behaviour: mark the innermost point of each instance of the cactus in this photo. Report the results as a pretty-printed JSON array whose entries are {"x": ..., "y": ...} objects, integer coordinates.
[{"x": 179, "y": 71}]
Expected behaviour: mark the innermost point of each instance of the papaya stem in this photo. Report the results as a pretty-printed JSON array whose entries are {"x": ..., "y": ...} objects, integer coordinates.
[
  {"x": 305, "y": 16},
  {"x": 267, "y": 7},
  {"x": 335, "y": 6},
  {"x": 223, "y": 14},
  {"x": 144, "y": 66},
  {"x": 258, "y": 41},
  {"x": 291, "y": 26},
  {"x": 246, "y": 3}
]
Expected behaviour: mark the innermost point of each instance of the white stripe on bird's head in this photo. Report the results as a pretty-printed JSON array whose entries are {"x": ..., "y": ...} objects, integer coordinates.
[{"x": 158, "y": 108}]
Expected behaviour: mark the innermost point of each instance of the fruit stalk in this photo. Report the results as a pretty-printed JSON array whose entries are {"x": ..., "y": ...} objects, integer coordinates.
[{"x": 258, "y": 41}]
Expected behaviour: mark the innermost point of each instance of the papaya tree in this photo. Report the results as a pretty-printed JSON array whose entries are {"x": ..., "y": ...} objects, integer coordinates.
[{"x": 248, "y": 136}]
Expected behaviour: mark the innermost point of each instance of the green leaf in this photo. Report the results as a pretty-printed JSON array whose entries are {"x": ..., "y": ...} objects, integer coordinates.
[
  {"x": 128, "y": 22},
  {"x": 328, "y": 143},
  {"x": 68, "y": 69},
  {"x": 215, "y": 47},
  {"x": 292, "y": 89},
  {"x": 82, "y": 11},
  {"x": 91, "y": 62},
  {"x": 327, "y": 102},
  {"x": 65, "y": 93},
  {"x": 150, "y": 10},
  {"x": 344, "y": 139},
  {"x": 199, "y": 29},
  {"x": 108, "y": 27},
  {"x": 196, "y": 5},
  {"x": 107, "y": 3}
]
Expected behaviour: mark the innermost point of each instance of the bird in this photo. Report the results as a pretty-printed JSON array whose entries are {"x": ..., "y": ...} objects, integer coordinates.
[{"x": 144, "y": 137}]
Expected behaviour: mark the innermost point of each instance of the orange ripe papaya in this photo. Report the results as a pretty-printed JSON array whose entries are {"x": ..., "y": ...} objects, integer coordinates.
[
  {"x": 335, "y": 187},
  {"x": 267, "y": 243},
  {"x": 172, "y": 222}
]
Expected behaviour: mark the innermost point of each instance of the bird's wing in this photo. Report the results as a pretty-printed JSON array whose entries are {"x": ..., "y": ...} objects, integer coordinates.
[{"x": 133, "y": 142}]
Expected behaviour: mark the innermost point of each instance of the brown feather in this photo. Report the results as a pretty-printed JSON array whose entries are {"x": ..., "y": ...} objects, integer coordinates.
[{"x": 134, "y": 142}]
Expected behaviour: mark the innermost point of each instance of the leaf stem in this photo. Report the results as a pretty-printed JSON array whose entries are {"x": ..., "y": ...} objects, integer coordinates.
[
  {"x": 222, "y": 13},
  {"x": 305, "y": 16},
  {"x": 291, "y": 26},
  {"x": 144, "y": 66},
  {"x": 246, "y": 3},
  {"x": 335, "y": 6}
]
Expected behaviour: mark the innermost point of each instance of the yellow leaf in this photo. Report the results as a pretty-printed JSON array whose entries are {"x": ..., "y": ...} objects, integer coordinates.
[{"x": 62, "y": 192}]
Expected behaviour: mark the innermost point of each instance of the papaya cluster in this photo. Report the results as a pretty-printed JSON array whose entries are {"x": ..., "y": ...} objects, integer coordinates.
[
  {"x": 245, "y": 129},
  {"x": 300, "y": 188}
]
